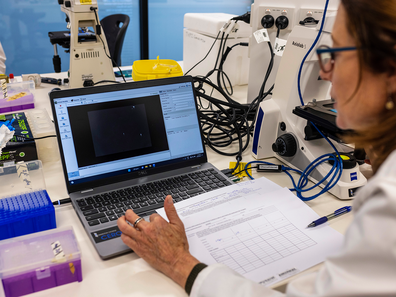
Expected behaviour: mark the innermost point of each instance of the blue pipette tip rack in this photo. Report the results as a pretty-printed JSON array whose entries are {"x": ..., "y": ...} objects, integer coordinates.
[{"x": 26, "y": 213}]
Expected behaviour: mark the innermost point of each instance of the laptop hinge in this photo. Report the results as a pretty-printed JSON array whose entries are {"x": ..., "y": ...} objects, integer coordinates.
[{"x": 86, "y": 191}]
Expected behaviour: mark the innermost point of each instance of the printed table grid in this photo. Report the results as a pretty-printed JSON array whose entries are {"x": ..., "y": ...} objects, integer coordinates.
[{"x": 265, "y": 248}]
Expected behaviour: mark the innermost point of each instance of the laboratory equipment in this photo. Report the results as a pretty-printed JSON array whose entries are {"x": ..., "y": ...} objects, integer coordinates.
[
  {"x": 25, "y": 206},
  {"x": 296, "y": 11},
  {"x": 43, "y": 130},
  {"x": 34, "y": 137},
  {"x": 90, "y": 60},
  {"x": 17, "y": 96},
  {"x": 154, "y": 69},
  {"x": 22, "y": 147},
  {"x": 200, "y": 33},
  {"x": 283, "y": 128},
  {"x": 39, "y": 261}
]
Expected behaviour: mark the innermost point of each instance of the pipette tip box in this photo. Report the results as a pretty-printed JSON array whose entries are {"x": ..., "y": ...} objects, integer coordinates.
[
  {"x": 18, "y": 96},
  {"x": 39, "y": 261},
  {"x": 27, "y": 212}
]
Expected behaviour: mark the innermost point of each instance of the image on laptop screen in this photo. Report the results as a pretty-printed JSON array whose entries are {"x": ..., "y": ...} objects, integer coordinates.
[{"x": 106, "y": 134}]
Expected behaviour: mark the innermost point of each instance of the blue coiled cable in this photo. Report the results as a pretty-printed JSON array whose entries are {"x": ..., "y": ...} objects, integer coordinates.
[{"x": 336, "y": 171}]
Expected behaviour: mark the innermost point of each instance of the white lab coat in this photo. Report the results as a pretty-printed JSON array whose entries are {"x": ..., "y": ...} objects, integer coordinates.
[
  {"x": 366, "y": 265},
  {"x": 2, "y": 60}
]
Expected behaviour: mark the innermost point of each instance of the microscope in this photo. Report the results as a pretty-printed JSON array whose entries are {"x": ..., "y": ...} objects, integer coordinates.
[
  {"x": 269, "y": 12},
  {"x": 90, "y": 60},
  {"x": 284, "y": 127}
]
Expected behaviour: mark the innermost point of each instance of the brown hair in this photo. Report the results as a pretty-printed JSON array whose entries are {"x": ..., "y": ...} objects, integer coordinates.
[{"x": 372, "y": 24}]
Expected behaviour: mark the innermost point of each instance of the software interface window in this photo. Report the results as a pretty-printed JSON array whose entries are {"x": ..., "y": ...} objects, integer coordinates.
[{"x": 102, "y": 133}]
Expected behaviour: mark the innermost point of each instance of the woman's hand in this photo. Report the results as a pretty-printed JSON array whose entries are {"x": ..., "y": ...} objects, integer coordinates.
[{"x": 163, "y": 245}]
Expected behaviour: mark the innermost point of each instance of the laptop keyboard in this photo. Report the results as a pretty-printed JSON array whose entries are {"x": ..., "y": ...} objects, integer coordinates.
[{"x": 144, "y": 199}]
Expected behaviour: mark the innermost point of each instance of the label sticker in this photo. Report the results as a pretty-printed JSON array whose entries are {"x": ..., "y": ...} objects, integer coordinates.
[
  {"x": 354, "y": 176},
  {"x": 261, "y": 36},
  {"x": 23, "y": 175},
  {"x": 72, "y": 268},
  {"x": 58, "y": 251},
  {"x": 106, "y": 234},
  {"x": 280, "y": 45},
  {"x": 86, "y": 2}
]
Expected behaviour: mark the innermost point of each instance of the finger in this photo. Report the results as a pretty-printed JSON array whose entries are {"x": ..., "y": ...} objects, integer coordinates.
[
  {"x": 171, "y": 212},
  {"x": 131, "y": 216},
  {"x": 127, "y": 229},
  {"x": 134, "y": 245},
  {"x": 128, "y": 240},
  {"x": 154, "y": 216}
]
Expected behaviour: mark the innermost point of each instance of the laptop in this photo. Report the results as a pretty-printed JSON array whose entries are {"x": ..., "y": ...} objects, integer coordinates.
[{"x": 128, "y": 146}]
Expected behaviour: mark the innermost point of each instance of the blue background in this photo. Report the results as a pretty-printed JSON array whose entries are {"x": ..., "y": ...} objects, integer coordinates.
[{"x": 24, "y": 27}]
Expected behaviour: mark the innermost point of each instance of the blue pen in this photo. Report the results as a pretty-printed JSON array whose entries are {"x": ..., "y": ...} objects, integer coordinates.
[{"x": 337, "y": 213}]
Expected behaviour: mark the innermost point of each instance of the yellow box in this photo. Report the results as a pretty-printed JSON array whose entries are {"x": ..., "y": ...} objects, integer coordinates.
[
  {"x": 240, "y": 171},
  {"x": 153, "y": 69}
]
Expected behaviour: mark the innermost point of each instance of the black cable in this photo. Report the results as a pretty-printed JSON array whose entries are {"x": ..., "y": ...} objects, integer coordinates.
[
  {"x": 227, "y": 124},
  {"x": 223, "y": 74},
  {"x": 34, "y": 138},
  {"x": 106, "y": 81},
  {"x": 269, "y": 70},
  {"x": 99, "y": 32},
  {"x": 244, "y": 17},
  {"x": 62, "y": 201},
  {"x": 225, "y": 120},
  {"x": 217, "y": 59},
  {"x": 214, "y": 42},
  {"x": 220, "y": 72},
  {"x": 246, "y": 169}
]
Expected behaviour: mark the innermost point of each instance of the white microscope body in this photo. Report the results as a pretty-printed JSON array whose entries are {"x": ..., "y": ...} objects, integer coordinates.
[
  {"x": 275, "y": 119},
  {"x": 88, "y": 59},
  {"x": 295, "y": 11}
]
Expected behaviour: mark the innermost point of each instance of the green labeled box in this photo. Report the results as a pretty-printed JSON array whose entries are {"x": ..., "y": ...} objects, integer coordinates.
[{"x": 22, "y": 146}]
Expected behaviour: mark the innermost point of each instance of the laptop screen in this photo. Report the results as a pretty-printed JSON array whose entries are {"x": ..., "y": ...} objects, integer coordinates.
[{"x": 108, "y": 131}]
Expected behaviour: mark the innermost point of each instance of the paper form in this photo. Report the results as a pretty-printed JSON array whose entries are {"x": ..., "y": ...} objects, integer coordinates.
[{"x": 256, "y": 228}]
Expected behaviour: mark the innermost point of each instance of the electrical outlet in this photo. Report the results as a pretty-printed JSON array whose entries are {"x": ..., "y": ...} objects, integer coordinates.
[{"x": 276, "y": 12}]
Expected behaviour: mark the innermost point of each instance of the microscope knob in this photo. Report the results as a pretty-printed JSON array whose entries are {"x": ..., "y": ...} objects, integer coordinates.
[
  {"x": 285, "y": 145},
  {"x": 60, "y": 2},
  {"x": 282, "y": 22},
  {"x": 67, "y": 3},
  {"x": 267, "y": 21}
]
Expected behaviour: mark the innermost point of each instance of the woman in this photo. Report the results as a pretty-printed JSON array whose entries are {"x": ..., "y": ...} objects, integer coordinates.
[{"x": 363, "y": 74}]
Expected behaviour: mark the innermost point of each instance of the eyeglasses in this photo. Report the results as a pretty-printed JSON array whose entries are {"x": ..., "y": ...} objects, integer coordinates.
[{"x": 326, "y": 56}]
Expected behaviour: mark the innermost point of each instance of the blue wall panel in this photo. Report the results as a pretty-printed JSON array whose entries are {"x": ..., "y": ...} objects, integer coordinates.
[
  {"x": 166, "y": 22},
  {"x": 24, "y": 27}
]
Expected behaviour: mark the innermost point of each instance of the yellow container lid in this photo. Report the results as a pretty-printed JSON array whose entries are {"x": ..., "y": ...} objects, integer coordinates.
[{"x": 153, "y": 69}]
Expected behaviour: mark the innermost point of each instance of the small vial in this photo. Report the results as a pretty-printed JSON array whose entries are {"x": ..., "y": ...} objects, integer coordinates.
[{"x": 11, "y": 78}]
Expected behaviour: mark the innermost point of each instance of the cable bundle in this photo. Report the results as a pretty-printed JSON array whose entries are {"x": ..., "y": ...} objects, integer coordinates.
[{"x": 224, "y": 120}]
